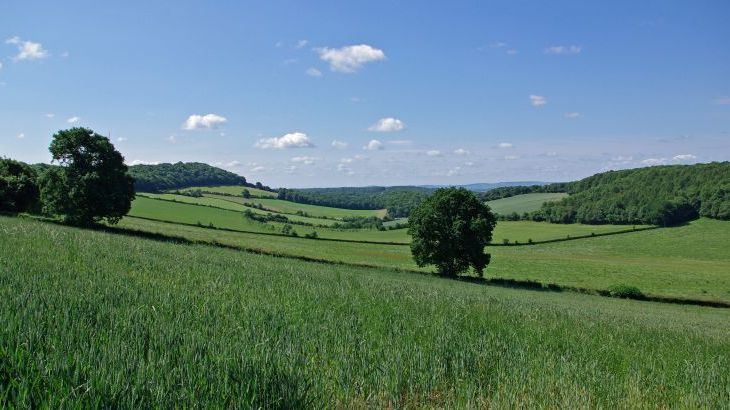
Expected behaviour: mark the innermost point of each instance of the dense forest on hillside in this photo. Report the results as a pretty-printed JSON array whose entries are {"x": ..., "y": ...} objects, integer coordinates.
[
  {"x": 661, "y": 195},
  {"x": 399, "y": 201},
  {"x": 152, "y": 178}
]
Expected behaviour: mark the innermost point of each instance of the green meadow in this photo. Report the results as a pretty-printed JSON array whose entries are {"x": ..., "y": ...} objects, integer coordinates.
[
  {"x": 523, "y": 203},
  {"x": 231, "y": 190},
  {"x": 288, "y": 207},
  {"x": 143, "y": 323}
]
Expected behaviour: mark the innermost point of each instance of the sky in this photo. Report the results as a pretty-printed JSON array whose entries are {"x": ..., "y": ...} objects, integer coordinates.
[{"x": 333, "y": 93}]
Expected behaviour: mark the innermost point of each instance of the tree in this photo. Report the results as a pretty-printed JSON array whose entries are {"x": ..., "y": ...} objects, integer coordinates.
[
  {"x": 18, "y": 189},
  {"x": 246, "y": 193},
  {"x": 450, "y": 230},
  {"x": 91, "y": 184}
]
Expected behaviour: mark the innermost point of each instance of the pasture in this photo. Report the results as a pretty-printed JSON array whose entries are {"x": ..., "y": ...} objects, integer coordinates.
[
  {"x": 232, "y": 190},
  {"x": 192, "y": 325},
  {"x": 523, "y": 203}
]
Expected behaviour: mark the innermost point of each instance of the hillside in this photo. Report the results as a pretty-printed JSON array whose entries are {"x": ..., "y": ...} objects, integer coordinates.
[
  {"x": 399, "y": 201},
  {"x": 161, "y": 177},
  {"x": 520, "y": 204},
  {"x": 163, "y": 324}
]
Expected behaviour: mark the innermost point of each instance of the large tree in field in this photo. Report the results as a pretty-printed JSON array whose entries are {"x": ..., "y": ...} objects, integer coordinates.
[
  {"x": 91, "y": 183},
  {"x": 18, "y": 188},
  {"x": 450, "y": 230}
]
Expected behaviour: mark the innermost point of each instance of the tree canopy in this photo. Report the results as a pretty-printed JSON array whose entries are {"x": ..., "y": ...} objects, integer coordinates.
[
  {"x": 450, "y": 230},
  {"x": 18, "y": 188},
  {"x": 91, "y": 184},
  {"x": 162, "y": 177}
]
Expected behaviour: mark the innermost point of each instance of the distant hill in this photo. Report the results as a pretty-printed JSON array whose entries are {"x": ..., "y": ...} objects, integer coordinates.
[
  {"x": 152, "y": 178},
  {"x": 660, "y": 195},
  {"x": 488, "y": 186}
]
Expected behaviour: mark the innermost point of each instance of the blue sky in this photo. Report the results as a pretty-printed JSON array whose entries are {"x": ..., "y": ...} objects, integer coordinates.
[{"x": 333, "y": 93}]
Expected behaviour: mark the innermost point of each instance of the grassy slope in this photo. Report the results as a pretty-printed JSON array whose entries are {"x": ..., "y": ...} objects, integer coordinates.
[
  {"x": 523, "y": 203},
  {"x": 226, "y": 203},
  {"x": 190, "y": 214},
  {"x": 689, "y": 261},
  {"x": 145, "y": 324},
  {"x": 289, "y": 207},
  {"x": 232, "y": 190}
]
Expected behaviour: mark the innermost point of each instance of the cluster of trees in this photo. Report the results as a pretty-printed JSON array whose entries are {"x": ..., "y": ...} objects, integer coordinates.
[
  {"x": 89, "y": 184},
  {"x": 399, "y": 201},
  {"x": 162, "y": 177},
  {"x": 661, "y": 195},
  {"x": 508, "y": 191}
]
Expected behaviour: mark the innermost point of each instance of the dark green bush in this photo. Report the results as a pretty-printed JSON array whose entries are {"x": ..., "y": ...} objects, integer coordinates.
[{"x": 625, "y": 291}]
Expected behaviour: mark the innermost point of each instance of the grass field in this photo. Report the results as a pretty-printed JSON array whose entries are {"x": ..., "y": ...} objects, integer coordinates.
[
  {"x": 686, "y": 262},
  {"x": 523, "y": 203},
  {"x": 520, "y": 231},
  {"x": 92, "y": 319},
  {"x": 232, "y": 190},
  {"x": 316, "y": 211}
]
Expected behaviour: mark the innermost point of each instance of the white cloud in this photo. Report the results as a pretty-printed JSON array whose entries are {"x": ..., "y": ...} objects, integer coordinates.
[
  {"x": 171, "y": 139},
  {"x": 142, "y": 162},
  {"x": 301, "y": 44},
  {"x": 725, "y": 100},
  {"x": 345, "y": 169},
  {"x": 339, "y": 144},
  {"x": 511, "y": 157},
  {"x": 433, "y": 153},
  {"x": 373, "y": 145},
  {"x": 1, "y": 65},
  {"x": 461, "y": 151},
  {"x": 654, "y": 161},
  {"x": 305, "y": 160},
  {"x": 27, "y": 50},
  {"x": 65, "y": 54},
  {"x": 388, "y": 125},
  {"x": 233, "y": 164},
  {"x": 453, "y": 171},
  {"x": 313, "y": 72},
  {"x": 20, "y": 136},
  {"x": 537, "y": 100},
  {"x": 349, "y": 59},
  {"x": 498, "y": 44},
  {"x": 505, "y": 145},
  {"x": 49, "y": 115},
  {"x": 563, "y": 50},
  {"x": 258, "y": 169},
  {"x": 121, "y": 139},
  {"x": 684, "y": 157},
  {"x": 291, "y": 140},
  {"x": 511, "y": 52},
  {"x": 73, "y": 120},
  {"x": 208, "y": 121},
  {"x": 571, "y": 115}
]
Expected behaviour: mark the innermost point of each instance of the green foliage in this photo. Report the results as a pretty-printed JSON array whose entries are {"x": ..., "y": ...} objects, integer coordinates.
[
  {"x": 510, "y": 191},
  {"x": 625, "y": 291},
  {"x": 399, "y": 201},
  {"x": 165, "y": 325},
  {"x": 18, "y": 188},
  {"x": 450, "y": 230},
  {"x": 162, "y": 177},
  {"x": 91, "y": 184},
  {"x": 662, "y": 195}
]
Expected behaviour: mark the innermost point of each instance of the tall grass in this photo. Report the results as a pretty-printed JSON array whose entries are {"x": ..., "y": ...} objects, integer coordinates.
[{"x": 92, "y": 319}]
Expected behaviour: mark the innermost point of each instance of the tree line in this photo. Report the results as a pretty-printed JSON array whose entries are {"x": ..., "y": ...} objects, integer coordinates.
[
  {"x": 164, "y": 177},
  {"x": 399, "y": 201}
]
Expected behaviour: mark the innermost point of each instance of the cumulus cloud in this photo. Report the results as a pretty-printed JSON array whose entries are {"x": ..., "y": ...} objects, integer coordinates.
[
  {"x": 461, "y": 151},
  {"x": 258, "y": 168},
  {"x": 654, "y": 161},
  {"x": 684, "y": 157},
  {"x": 49, "y": 115},
  {"x": 339, "y": 144},
  {"x": 142, "y": 162},
  {"x": 73, "y": 120},
  {"x": 305, "y": 160},
  {"x": 537, "y": 100},
  {"x": 563, "y": 50},
  {"x": 313, "y": 72},
  {"x": 121, "y": 139},
  {"x": 373, "y": 145},
  {"x": 433, "y": 153},
  {"x": 301, "y": 44},
  {"x": 209, "y": 121},
  {"x": 291, "y": 140},
  {"x": 20, "y": 136},
  {"x": 27, "y": 50},
  {"x": 389, "y": 124},
  {"x": 350, "y": 58},
  {"x": 571, "y": 115},
  {"x": 510, "y": 157},
  {"x": 505, "y": 145},
  {"x": 453, "y": 171}
]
